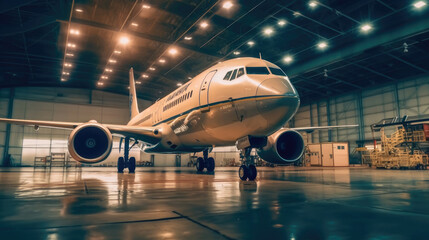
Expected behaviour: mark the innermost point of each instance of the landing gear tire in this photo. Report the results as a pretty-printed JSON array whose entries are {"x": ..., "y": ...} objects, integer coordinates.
[
  {"x": 132, "y": 165},
  {"x": 252, "y": 172},
  {"x": 121, "y": 164},
  {"x": 210, "y": 164},
  {"x": 200, "y": 164},
  {"x": 243, "y": 172}
]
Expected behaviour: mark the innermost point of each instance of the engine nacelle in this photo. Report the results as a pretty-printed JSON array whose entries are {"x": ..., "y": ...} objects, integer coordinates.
[
  {"x": 90, "y": 143},
  {"x": 285, "y": 146}
]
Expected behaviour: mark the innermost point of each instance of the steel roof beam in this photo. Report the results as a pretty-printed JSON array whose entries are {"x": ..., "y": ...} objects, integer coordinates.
[
  {"x": 12, "y": 4},
  {"x": 355, "y": 49},
  {"x": 407, "y": 63}
]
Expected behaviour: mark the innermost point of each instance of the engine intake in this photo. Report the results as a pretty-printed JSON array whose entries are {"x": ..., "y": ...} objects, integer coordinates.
[
  {"x": 285, "y": 146},
  {"x": 90, "y": 143}
]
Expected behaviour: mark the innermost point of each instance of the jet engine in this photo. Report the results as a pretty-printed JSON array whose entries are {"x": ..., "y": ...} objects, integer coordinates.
[
  {"x": 284, "y": 146},
  {"x": 90, "y": 143}
]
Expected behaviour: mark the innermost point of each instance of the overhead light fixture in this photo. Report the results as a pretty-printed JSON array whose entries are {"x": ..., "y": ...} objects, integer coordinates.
[
  {"x": 325, "y": 73},
  {"x": 134, "y": 24},
  {"x": 78, "y": 10},
  {"x": 117, "y": 52},
  {"x": 366, "y": 27},
  {"x": 100, "y": 84},
  {"x": 268, "y": 31},
  {"x": 288, "y": 59},
  {"x": 66, "y": 73},
  {"x": 296, "y": 14},
  {"x": 152, "y": 68},
  {"x": 204, "y": 24},
  {"x": 112, "y": 61},
  {"x": 227, "y": 5},
  {"x": 146, "y": 6},
  {"x": 189, "y": 78},
  {"x": 419, "y": 4},
  {"x": 72, "y": 45},
  {"x": 70, "y": 54},
  {"x": 138, "y": 82},
  {"x": 63, "y": 79},
  {"x": 74, "y": 32},
  {"x": 67, "y": 65},
  {"x": 179, "y": 84},
  {"x": 312, "y": 4},
  {"x": 161, "y": 60},
  {"x": 172, "y": 51},
  {"x": 251, "y": 43},
  {"x": 322, "y": 45},
  {"x": 281, "y": 23},
  {"x": 124, "y": 40},
  {"x": 188, "y": 38},
  {"x": 109, "y": 70},
  {"x": 236, "y": 53},
  {"x": 104, "y": 77},
  {"x": 145, "y": 76}
]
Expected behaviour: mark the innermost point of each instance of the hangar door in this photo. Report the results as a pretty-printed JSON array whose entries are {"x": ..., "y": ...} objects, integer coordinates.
[{"x": 204, "y": 90}]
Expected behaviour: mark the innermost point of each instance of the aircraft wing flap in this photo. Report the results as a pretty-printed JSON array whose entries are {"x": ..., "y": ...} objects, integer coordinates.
[
  {"x": 49, "y": 124},
  {"x": 150, "y": 135}
]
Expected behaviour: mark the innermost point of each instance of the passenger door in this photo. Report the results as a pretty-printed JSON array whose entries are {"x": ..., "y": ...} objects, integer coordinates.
[{"x": 204, "y": 90}]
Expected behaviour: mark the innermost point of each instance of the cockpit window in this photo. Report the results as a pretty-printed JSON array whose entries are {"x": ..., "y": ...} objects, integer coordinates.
[
  {"x": 234, "y": 74},
  {"x": 240, "y": 72},
  {"x": 228, "y": 74},
  {"x": 277, "y": 71},
  {"x": 257, "y": 70}
]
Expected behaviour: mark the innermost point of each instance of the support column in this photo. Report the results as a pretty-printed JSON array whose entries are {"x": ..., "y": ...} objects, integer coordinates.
[
  {"x": 361, "y": 121},
  {"x": 6, "y": 157},
  {"x": 328, "y": 118},
  {"x": 311, "y": 122},
  {"x": 396, "y": 96}
]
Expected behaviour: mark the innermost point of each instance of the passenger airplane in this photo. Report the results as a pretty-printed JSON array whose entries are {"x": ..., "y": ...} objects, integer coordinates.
[{"x": 243, "y": 102}]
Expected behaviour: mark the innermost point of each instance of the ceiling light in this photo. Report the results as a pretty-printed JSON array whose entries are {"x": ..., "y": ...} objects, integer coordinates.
[
  {"x": 419, "y": 4},
  {"x": 281, "y": 22},
  {"x": 100, "y": 84},
  {"x": 70, "y": 54},
  {"x": 104, "y": 77},
  {"x": 179, "y": 84},
  {"x": 67, "y": 65},
  {"x": 78, "y": 10},
  {"x": 250, "y": 43},
  {"x": 145, "y": 76},
  {"x": 172, "y": 51},
  {"x": 71, "y": 45},
  {"x": 161, "y": 60},
  {"x": 312, "y": 4},
  {"x": 288, "y": 59},
  {"x": 112, "y": 61},
  {"x": 366, "y": 27},
  {"x": 138, "y": 82},
  {"x": 63, "y": 79},
  {"x": 296, "y": 14},
  {"x": 189, "y": 78},
  {"x": 117, "y": 52},
  {"x": 146, "y": 6},
  {"x": 109, "y": 70},
  {"x": 188, "y": 38},
  {"x": 236, "y": 53},
  {"x": 66, "y": 73},
  {"x": 152, "y": 68},
  {"x": 74, "y": 32},
  {"x": 268, "y": 31},
  {"x": 227, "y": 5},
  {"x": 124, "y": 40},
  {"x": 322, "y": 45},
  {"x": 204, "y": 24},
  {"x": 134, "y": 24}
]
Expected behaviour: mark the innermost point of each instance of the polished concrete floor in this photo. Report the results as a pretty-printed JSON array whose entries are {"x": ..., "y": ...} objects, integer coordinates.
[{"x": 177, "y": 203}]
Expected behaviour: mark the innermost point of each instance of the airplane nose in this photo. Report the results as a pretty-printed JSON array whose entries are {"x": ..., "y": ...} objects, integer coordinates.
[{"x": 275, "y": 86}]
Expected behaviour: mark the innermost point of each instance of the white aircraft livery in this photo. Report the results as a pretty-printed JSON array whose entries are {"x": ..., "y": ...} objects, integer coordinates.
[{"x": 243, "y": 102}]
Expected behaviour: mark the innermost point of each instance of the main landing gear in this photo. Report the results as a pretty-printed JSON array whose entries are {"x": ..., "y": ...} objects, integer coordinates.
[
  {"x": 205, "y": 162},
  {"x": 125, "y": 161},
  {"x": 248, "y": 169}
]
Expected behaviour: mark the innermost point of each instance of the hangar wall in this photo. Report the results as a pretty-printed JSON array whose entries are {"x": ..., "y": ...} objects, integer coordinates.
[{"x": 364, "y": 108}]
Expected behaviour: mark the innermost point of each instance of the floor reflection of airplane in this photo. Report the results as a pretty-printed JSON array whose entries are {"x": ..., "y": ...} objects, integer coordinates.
[{"x": 243, "y": 102}]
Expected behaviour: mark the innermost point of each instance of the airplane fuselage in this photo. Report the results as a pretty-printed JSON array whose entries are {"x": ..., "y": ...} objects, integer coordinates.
[{"x": 233, "y": 99}]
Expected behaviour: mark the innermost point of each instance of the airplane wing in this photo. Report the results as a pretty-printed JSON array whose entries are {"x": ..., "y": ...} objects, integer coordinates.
[
  {"x": 311, "y": 129},
  {"x": 145, "y": 134}
]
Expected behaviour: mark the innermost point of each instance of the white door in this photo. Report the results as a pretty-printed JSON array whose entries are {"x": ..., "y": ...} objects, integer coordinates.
[
  {"x": 327, "y": 155},
  {"x": 204, "y": 90},
  {"x": 315, "y": 159},
  {"x": 341, "y": 154}
]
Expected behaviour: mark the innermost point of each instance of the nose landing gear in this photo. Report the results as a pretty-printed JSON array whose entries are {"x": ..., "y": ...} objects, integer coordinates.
[
  {"x": 205, "y": 162},
  {"x": 125, "y": 161}
]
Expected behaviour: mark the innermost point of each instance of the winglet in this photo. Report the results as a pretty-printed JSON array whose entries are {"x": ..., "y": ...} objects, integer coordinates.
[{"x": 134, "y": 108}]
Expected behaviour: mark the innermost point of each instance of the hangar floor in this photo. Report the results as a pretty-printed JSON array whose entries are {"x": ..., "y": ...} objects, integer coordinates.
[{"x": 177, "y": 203}]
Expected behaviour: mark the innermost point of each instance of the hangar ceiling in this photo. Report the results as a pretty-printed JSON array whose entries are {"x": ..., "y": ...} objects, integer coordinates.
[{"x": 327, "y": 47}]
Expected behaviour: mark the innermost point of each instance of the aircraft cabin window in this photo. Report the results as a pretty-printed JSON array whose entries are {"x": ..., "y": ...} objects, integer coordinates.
[
  {"x": 228, "y": 74},
  {"x": 277, "y": 71},
  {"x": 257, "y": 70},
  {"x": 234, "y": 74},
  {"x": 240, "y": 72}
]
